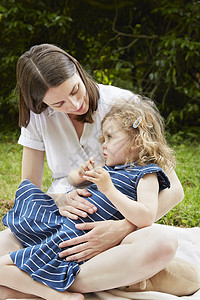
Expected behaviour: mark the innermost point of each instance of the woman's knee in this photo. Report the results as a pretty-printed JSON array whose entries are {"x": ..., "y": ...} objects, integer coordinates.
[
  {"x": 156, "y": 243},
  {"x": 168, "y": 242},
  {"x": 164, "y": 245},
  {"x": 159, "y": 243}
]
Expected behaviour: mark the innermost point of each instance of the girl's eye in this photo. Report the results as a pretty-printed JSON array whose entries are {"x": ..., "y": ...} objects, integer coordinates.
[
  {"x": 109, "y": 136},
  {"x": 101, "y": 139}
]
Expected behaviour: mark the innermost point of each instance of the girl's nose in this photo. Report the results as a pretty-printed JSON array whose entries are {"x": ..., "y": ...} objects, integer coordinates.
[{"x": 104, "y": 145}]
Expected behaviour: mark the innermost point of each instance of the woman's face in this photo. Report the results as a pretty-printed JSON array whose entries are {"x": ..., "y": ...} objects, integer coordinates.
[{"x": 70, "y": 97}]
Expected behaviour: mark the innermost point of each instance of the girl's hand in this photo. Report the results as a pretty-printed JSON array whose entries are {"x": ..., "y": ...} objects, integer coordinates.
[
  {"x": 102, "y": 236},
  {"x": 71, "y": 205},
  {"x": 86, "y": 166},
  {"x": 101, "y": 178},
  {"x": 75, "y": 177}
]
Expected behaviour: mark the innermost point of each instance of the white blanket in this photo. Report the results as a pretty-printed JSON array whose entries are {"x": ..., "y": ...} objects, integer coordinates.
[{"x": 188, "y": 249}]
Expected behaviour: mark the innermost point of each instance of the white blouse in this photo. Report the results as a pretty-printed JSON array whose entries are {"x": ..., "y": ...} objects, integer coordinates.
[{"x": 54, "y": 133}]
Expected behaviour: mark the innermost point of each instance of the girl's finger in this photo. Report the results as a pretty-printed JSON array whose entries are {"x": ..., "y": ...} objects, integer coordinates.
[
  {"x": 90, "y": 173},
  {"x": 89, "y": 178},
  {"x": 92, "y": 161}
]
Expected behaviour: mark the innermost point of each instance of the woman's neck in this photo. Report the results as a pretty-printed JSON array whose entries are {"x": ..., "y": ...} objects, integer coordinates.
[{"x": 77, "y": 125}]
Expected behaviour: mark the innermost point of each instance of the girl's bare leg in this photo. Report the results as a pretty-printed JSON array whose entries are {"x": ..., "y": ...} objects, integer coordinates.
[
  {"x": 8, "y": 242},
  {"x": 14, "y": 278},
  {"x": 7, "y": 293},
  {"x": 141, "y": 255}
]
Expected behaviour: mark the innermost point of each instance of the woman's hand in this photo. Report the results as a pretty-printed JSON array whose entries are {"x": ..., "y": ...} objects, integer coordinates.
[
  {"x": 102, "y": 236},
  {"x": 72, "y": 205}
]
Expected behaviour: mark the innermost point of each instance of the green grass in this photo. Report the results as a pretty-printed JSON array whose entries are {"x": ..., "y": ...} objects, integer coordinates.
[
  {"x": 186, "y": 214},
  {"x": 10, "y": 174}
]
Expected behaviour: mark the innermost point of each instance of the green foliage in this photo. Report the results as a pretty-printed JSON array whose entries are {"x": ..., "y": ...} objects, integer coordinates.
[
  {"x": 24, "y": 23},
  {"x": 149, "y": 47},
  {"x": 164, "y": 46}
]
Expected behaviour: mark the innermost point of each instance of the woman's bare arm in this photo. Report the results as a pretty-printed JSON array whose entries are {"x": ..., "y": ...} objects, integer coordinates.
[
  {"x": 33, "y": 165},
  {"x": 169, "y": 198}
]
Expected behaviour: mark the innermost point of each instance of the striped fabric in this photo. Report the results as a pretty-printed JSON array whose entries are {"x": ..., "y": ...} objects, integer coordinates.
[{"x": 36, "y": 222}]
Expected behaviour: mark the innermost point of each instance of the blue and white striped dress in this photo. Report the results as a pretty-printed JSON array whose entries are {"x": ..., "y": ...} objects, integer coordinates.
[{"x": 36, "y": 222}]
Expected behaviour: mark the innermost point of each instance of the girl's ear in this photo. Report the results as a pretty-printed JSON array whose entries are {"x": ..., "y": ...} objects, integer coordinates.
[
  {"x": 136, "y": 138},
  {"x": 136, "y": 143}
]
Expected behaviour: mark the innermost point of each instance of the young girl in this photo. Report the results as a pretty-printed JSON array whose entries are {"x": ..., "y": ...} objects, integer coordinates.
[
  {"x": 132, "y": 142},
  {"x": 134, "y": 149}
]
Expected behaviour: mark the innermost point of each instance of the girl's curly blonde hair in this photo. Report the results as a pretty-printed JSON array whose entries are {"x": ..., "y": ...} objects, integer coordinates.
[{"x": 146, "y": 144}]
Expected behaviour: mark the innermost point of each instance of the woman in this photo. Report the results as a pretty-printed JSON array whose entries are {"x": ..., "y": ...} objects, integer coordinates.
[
  {"x": 126, "y": 187},
  {"x": 61, "y": 109}
]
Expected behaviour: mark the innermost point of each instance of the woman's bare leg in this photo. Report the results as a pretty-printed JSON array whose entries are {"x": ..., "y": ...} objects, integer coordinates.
[
  {"x": 14, "y": 278},
  {"x": 141, "y": 255}
]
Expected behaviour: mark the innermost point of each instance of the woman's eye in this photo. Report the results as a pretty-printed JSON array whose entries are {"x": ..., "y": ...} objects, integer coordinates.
[
  {"x": 59, "y": 104},
  {"x": 109, "y": 136},
  {"x": 75, "y": 90}
]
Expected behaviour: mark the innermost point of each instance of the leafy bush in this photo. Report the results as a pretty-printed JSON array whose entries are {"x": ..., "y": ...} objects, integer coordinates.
[{"x": 149, "y": 47}]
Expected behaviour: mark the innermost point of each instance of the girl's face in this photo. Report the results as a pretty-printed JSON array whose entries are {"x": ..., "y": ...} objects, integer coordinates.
[
  {"x": 114, "y": 143},
  {"x": 70, "y": 97}
]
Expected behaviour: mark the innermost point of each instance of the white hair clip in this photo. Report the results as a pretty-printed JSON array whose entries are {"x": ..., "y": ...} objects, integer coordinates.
[
  {"x": 136, "y": 98},
  {"x": 137, "y": 122}
]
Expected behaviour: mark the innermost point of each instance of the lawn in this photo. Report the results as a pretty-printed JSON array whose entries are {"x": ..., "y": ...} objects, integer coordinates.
[
  {"x": 10, "y": 175},
  {"x": 186, "y": 214}
]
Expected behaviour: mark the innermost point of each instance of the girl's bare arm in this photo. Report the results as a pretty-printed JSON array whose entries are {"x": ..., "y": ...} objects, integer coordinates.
[{"x": 140, "y": 213}]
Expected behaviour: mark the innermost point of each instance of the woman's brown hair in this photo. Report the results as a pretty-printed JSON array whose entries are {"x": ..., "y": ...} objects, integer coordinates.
[{"x": 45, "y": 66}]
